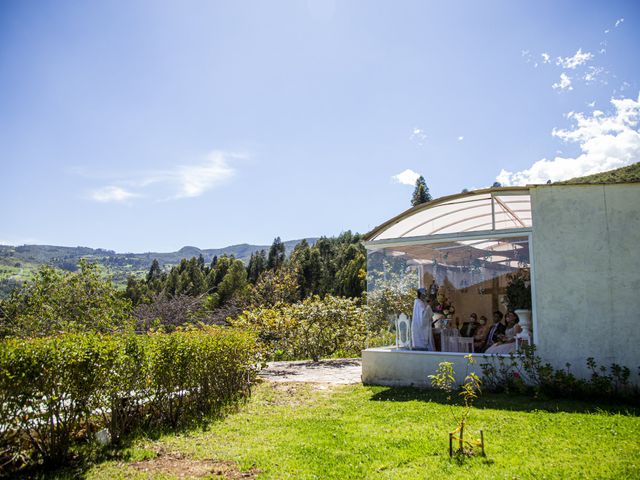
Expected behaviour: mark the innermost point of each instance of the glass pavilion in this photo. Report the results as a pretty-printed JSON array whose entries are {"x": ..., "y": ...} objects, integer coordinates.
[{"x": 463, "y": 245}]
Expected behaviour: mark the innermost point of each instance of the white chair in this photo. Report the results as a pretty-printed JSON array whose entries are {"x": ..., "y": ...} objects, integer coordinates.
[
  {"x": 449, "y": 339},
  {"x": 465, "y": 344},
  {"x": 403, "y": 331}
]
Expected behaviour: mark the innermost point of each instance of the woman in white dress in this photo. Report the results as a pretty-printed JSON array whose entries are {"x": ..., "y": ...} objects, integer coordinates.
[
  {"x": 421, "y": 336},
  {"x": 507, "y": 343}
]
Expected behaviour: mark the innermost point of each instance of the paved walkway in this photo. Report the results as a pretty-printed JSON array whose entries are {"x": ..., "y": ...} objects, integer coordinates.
[{"x": 340, "y": 371}]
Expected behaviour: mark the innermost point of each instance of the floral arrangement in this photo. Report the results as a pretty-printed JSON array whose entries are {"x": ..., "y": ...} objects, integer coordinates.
[{"x": 443, "y": 305}]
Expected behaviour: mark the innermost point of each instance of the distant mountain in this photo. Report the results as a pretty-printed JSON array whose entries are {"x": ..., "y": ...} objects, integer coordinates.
[{"x": 17, "y": 263}]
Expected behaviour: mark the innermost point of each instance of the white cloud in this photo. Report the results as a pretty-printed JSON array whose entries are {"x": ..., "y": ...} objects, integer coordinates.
[
  {"x": 194, "y": 180},
  {"x": 418, "y": 136},
  {"x": 606, "y": 31},
  {"x": 580, "y": 58},
  {"x": 563, "y": 84},
  {"x": 619, "y": 21},
  {"x": 408, "y": 177},
  {"x": 606, "y": 141},
  {"x": 546, "y": 58},
  {"x": 460, "y": 138},
  {"x": 593, "y": 74},
  {"x": 183, "y": 181},
  {"x": 112, "y": 193}
]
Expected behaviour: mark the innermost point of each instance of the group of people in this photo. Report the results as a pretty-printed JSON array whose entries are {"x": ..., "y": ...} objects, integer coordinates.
[{"x": 493, "y": 337}]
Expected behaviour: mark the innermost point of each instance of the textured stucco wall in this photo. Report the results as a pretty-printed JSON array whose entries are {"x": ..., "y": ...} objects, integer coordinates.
[
  {"x": 586, "y": 249},
  {"x": 402, "y": 368}
]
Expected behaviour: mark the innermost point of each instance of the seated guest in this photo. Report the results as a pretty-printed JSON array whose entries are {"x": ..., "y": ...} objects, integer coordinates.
[
  {"x": 497, "y": 330},
  {"x": 480, "y": 336},
  {"x": 468, "y": 328},
  {"x": 506, "y": 343}
]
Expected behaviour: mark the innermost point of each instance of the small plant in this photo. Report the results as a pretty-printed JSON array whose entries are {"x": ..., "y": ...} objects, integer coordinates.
[{"x": 444, "y": 379}]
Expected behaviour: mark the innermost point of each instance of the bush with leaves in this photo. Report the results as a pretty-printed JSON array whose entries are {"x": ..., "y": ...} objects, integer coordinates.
[
  {"x": 313, "y": 328},
  {"x": 528, "y": 374},
  {"x": 56, "y": 391},
  {"x": 57, "y": 301}
]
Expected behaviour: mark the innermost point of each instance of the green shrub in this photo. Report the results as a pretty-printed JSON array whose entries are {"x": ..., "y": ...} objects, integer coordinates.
[
  {"x": 56, "y": 302},
  {"x": 313, "y": 328},
  {"x": 55, "y": 392}
]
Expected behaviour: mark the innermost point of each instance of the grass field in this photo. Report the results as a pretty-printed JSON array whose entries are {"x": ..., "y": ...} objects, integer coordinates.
[{"x": 304, "y": 432}]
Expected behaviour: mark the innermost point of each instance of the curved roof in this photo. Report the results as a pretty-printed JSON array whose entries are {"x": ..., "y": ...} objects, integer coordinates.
[{"x": 488, "y": 209}]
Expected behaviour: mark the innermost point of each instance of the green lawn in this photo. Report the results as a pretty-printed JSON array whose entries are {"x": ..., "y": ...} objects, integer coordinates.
[{"x": 298, "y": 431}]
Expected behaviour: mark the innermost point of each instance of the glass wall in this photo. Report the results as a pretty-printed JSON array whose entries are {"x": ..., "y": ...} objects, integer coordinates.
[{"x": 463, "y": 277}]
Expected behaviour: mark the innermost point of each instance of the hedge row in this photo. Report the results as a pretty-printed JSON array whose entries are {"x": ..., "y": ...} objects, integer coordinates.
[
  {"x": 56, "y": 392},
  {"x": 313, "y": 328}
]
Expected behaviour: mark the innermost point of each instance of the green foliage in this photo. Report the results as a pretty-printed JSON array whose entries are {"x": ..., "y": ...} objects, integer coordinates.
[
  {"x": 57, "y": 390},
  {"x": 519, "y": 290},
  {"x": 59, "y": 301},
  {"x": 276, "y": 286},
  {"x": 277, "y": 254},
  {"x": 392, "y": 292},
  {"x": 421, "y": 192},
  {"x": 313, "y": 328},
  {"x": 628, "y": 174},
  {"x": 527, "y": 374}
]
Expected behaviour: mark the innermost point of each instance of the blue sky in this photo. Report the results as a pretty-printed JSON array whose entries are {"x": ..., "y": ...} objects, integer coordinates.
[{"x": 149, "y": 125}]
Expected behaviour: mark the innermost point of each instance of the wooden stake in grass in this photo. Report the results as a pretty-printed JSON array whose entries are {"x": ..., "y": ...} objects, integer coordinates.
[
  {"x": 450, "y": 444},
  {"x": 482, "y": 442}
]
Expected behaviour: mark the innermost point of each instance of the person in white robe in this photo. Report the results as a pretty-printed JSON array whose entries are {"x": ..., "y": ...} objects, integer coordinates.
[{"x": 421, "y": 335}]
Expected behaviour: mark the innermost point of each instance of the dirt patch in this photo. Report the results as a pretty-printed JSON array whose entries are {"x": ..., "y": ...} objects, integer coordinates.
[{"x": 174, "y": 463}]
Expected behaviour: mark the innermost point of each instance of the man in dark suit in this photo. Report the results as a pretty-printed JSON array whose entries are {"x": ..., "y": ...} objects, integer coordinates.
[{"x": 497, "y": 330}]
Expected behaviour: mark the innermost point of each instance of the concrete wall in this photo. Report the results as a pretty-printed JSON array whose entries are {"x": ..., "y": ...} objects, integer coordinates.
[
  {"x": 404, "y": 368},
  {"x": 586, "y": 259}
]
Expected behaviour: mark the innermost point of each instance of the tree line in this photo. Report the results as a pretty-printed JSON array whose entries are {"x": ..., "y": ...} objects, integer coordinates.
[{"x": 331, "y": 266}]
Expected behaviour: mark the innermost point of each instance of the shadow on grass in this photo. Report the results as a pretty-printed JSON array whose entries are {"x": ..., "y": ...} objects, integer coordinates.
[{"x": 502, "y": 401}]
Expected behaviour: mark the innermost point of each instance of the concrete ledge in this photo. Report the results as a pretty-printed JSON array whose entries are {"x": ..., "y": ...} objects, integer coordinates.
[{"x": 394, "y": 367}]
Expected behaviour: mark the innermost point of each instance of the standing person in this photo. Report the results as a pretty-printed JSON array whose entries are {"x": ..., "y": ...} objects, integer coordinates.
[
  {"x": 417, "y": 321},
  {"x": 421, "y": 338},
  {"x": 428, "y": 325}
]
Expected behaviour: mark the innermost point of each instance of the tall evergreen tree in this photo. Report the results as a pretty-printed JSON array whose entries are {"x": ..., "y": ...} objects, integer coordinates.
[
  {"x": 257, "y": 265},
  {"x": 155, "y": 272},
  {"x": 276, "y": 255},
  {"x": 421, "y": 193}
]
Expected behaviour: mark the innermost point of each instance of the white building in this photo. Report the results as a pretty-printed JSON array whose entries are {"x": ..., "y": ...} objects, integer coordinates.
[{"x": 580, "y": 243}]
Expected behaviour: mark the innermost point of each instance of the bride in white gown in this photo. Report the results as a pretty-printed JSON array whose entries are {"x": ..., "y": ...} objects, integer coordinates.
[{"x": 507, "y": 343}]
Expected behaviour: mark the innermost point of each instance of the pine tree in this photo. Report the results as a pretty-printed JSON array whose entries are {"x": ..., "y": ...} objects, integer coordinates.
[
  {"x": 276, "y": 255},
  {"x": 257, "y": 264},
  {"x": 421, "y": 193},
  {"x": 155, "y": 272}
]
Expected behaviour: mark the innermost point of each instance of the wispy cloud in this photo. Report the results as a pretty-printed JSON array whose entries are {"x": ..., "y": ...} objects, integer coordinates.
[
  {"x": 182, "y": 181},
  {"x": 606, "y": 141},
  {"x": 460, "y": 138},
  {"x": 408, "y": 177},
  {"x": 112, "y": 193},
  {"x": 546, "y": 58},
  {"x": 580, "y": 58},
  {"x": 194, "y": 180},
  {"x": 619, "y": 22},
  {"x": 418, "y": 136},
  {"x": 593, "y": 73},
  {"x": 564, "y": 83}
]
